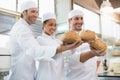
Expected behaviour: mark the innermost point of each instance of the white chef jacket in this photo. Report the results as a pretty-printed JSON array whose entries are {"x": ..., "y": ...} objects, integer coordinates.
[
  {"x": 24, "y": 50},
  {"x": 76, "y": 70},
  {"x": 51, "y": 68}
]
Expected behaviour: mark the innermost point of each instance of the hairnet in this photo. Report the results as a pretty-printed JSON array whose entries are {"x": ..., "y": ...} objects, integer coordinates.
[
  {"x": 76, "y": 12},
  {"x": 27, "y": 5},
  {"x": 48, "y": 16}
]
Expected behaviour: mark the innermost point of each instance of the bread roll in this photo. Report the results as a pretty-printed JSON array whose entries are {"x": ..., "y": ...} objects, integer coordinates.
[
  {"x": 70, "y": 37},
  {"x": 87, "y": 35},
  {"x": 98, "y": 44}
]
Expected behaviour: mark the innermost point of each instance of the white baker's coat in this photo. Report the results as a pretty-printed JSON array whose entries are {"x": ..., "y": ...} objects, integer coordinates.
[
  {"x": 76, "y": 70},
  {"x": 51, "y": 68},
  {"x": 24, "y": 50}
]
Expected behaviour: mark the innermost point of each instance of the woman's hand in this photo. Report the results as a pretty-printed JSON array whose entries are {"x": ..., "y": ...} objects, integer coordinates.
[{"x": 68, "y": 46}]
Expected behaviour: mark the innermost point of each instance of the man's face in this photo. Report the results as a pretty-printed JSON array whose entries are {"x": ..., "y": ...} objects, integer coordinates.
[
  {"x": 31, "y": 15},
  {"x": 76, "y": 23}
]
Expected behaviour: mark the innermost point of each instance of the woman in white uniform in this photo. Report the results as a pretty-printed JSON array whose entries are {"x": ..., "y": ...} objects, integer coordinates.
[
  {"x": 84, "y": 65},
  {"x": 50, "y": 68},
  {"x": 24, "y": 48}
]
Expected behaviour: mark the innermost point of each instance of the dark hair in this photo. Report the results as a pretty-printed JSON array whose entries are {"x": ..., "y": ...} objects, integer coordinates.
[
  {"x": 45, "y": 22},
  {"x": 22, "y": 14}
]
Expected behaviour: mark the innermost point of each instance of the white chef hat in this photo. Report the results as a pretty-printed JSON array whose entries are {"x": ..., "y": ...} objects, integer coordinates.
[
  {"x": 76, "y": 12},
  {"x": 47, "y": 16},
  {"x": 27, "y": 5}
]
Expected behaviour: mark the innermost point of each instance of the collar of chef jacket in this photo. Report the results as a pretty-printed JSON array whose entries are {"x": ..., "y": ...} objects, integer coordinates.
[{"x": 45, "y": 35}]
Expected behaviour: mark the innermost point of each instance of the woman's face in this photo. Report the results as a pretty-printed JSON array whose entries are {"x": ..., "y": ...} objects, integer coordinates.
[{"x": 49, "y": 26}]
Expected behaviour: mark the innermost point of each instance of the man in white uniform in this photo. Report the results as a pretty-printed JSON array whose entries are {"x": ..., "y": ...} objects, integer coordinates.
[
  {"x": 24, "y": 48},
  {"x": 82, "y": 64}
]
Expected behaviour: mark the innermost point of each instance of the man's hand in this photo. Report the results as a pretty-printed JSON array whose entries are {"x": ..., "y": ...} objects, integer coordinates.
[{"x": 99, "y": 52}]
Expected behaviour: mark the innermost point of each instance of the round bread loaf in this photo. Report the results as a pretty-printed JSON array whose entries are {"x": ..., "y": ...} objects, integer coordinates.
[
  {"x": 98, "y": 44},
  {"x": 70, "y": 37},
  {"x": 87, "y": 35}
]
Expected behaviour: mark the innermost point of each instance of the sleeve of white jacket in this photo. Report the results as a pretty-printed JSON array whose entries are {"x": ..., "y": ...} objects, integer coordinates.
[
  {"x": 31, "y": 46},
  {"x": 77, "y": 52},
  {"x": 75, "y": 57},
  {"x": 101, "y": 58}
]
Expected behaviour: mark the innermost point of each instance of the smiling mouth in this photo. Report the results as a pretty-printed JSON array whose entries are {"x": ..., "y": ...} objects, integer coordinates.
[
  {"x": 34, "y": 19},
  {"x": 52, "y": 31},
  {"x": 79, "y": 24}
]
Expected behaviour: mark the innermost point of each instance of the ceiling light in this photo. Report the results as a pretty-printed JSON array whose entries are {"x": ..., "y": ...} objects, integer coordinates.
[{"x": 106, "y": 6}]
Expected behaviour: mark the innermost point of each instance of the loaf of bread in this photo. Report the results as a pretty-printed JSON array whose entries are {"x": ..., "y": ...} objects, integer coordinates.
[
  {"x": 87, "y": 35},
  {"x": 70, "y": 37},
  {"x": 98, "y": 44}
]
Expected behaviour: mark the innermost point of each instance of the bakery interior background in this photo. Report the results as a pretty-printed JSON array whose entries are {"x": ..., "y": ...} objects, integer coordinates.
[{"x": 106, "y": 25}]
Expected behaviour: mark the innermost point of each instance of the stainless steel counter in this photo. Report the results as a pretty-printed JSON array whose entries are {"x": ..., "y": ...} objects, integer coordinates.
[{"x": 108, "y": 76}]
